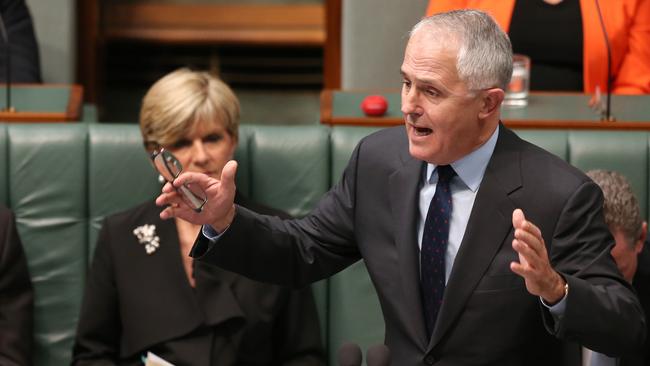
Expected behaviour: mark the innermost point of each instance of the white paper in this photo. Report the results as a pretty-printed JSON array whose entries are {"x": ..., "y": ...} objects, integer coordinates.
[{"x": 155, "y": 360}]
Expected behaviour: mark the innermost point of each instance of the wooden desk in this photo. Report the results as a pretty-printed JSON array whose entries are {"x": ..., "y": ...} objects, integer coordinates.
[
  {"x": 42, "y": 103},
  {"x": 544, "y": 111}
]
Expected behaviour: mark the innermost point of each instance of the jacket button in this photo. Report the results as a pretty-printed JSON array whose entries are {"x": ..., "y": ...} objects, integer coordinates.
[{"x": 429, "y": 360}]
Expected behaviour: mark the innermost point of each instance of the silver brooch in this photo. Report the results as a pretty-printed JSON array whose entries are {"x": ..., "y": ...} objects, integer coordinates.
[{"x": 146, "y": 235}]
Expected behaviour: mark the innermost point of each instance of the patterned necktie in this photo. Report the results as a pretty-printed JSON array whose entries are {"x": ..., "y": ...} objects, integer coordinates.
[{"x": 434, "y": 247}]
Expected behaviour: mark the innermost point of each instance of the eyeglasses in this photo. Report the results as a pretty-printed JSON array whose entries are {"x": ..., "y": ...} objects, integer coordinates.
[{"x": 170, "y": 168}]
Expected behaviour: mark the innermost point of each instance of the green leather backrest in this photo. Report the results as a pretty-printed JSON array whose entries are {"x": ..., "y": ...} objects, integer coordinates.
[
  {"x": 353, "y": 308},
  {"x": 553, "y": 141},
  {"x": 289, "y": 166},
  {"x": 623, "y": 151},
  {"x": 119, "y": 174},
  {"x": 47, "y": 176},
  {"x": 62, "y": 179}
]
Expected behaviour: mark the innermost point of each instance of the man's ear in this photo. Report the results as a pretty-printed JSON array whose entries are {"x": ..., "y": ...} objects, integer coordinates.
[
  {"x": 640, "y": 242},
  {"x": 491, "y": 102}
]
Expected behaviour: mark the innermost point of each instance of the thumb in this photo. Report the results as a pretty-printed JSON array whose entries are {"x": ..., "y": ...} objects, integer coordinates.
[
  {"x": 518, "y": 217},
  {"x": 228, "y": 173}
]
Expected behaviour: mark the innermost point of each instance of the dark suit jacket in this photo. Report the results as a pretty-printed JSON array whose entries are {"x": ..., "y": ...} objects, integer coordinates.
[
  {"x": 641, "y": 283},
  {"x": 25, "y": 63},
  {"x": 136, "y": 302},
  {"x": 487, "y": 316},
  {"x": 16, "y": 296}
]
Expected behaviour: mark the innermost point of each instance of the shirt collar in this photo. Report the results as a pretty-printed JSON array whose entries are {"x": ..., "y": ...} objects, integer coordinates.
[{"x": 471, "y": 168}]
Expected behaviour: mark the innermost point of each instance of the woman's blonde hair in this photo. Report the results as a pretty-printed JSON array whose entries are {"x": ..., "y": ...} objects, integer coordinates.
[{"x": 176, "y": 103}]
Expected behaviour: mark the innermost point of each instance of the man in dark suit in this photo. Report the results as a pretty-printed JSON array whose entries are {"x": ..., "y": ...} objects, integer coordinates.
[
  {"x": 641, "y": 283},
  {"x": 484, "y": 249},
  {"x": 16, "y": 296},
  {"x": 25, "y": 62},
  {"x": 623, "y": 217}
]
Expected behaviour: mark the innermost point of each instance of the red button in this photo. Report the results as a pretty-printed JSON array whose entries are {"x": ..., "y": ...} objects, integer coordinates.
[{"x": 374, "y": 105}]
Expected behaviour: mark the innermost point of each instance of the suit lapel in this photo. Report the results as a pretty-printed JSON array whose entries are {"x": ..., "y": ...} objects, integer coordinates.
[
  {"x": 404, "y": 191},
  {"x": 488, "y": 225}
]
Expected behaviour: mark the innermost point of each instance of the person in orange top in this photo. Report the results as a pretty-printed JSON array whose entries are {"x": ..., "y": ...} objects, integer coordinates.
[{"x": 563, "y": 60}]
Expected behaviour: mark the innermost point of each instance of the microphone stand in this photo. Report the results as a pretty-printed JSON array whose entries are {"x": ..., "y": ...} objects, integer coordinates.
[{"x": 608, "y": 108}]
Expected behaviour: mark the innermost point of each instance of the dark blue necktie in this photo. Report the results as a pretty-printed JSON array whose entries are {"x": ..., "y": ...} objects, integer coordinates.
[{"x": 434, "y": 247}]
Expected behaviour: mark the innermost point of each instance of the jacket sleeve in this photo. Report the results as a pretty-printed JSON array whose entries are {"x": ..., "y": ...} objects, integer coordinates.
[
  {"x": 602, "y": 312},
  {"x": 633, "y": 76},
  {"x": 97, "y": 341},
  {"x": 16, "y": 297}
]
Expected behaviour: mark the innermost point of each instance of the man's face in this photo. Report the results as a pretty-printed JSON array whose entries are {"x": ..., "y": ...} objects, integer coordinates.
[
  {"x": 441, "y": 114},
  {"x": 625, "y": 255}
]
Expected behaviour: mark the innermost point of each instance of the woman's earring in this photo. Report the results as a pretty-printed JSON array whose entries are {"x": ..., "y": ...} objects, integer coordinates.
[{"x": 161, "y": 179}]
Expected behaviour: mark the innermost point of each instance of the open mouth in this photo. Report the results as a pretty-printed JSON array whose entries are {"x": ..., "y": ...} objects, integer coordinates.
[{"x": 422, "y": 131}]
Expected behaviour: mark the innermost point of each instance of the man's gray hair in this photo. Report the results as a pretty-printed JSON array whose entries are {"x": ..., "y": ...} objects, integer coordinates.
[
  {"x": 621, "y": 208},
  {"x": 484, "y": 51}
]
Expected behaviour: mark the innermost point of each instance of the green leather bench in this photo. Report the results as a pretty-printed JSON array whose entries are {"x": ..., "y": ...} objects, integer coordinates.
[{"x": 62, "y": 179}]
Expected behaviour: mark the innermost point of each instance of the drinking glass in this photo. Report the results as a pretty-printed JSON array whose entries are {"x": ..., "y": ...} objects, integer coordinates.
[{"x": 519, "y": 86}]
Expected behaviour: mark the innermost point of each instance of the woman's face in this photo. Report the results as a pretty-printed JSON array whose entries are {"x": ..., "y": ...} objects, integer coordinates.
[{"x": 205, "y": 149}]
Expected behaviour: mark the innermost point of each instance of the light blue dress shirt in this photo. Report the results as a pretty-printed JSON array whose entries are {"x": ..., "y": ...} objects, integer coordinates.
[
  {"x": 591, "y": 358},
  {"x": 464, "y": 186}
]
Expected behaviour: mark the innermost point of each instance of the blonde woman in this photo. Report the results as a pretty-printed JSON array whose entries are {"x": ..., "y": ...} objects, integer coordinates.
[{"x": 145, "y": 294}]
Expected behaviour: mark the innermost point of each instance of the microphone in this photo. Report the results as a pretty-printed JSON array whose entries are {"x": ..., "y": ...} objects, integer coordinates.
[
  {"x": 378, "y": 355},
  {"x": 5, "y": 39},
  {"x": 608, "y": 108},
  {"x": 349, "y": 354}
]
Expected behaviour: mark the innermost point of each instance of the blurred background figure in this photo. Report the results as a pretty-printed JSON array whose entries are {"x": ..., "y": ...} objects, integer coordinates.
[
  {"x": 566, "y": 44},
  {"x": 622, "y": 215},
  {"x": 144, "y": 293},
  {"x": 25, "y": 64},
  {"x": 16, "y": 296}
]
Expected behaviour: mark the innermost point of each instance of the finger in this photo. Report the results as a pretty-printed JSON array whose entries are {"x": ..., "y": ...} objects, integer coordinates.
[
  {"x": 167, "y": 188},
  {"x": 532, "y": 229},
  {"x": 167, "y": 213},
  {"x": 533, "y": 241},
  {"x": 163, "y": 199},
  {"x": 518, "y": 218},
  {"x": 192, "y": 177},
  {"x": 168, "y": 199},
  {"x": 527, "y": 255},
  {"x": 228, "y": 173},
  {"x": 519, "y": 222},
  {"x": 180, "y": 211},
  {"x": 519, "y": 269}
]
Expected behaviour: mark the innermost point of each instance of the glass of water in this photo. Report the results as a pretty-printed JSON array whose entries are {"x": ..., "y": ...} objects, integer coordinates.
[{"x": 519, "y": 86}]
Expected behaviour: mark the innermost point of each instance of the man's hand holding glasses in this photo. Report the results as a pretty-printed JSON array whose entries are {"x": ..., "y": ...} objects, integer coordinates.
[
  {"x": 196, "y": 197},
  {"x": 170, "y": 168}
]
